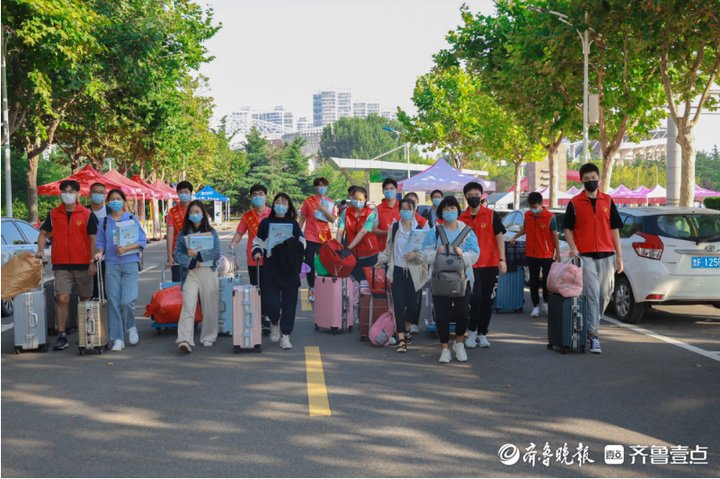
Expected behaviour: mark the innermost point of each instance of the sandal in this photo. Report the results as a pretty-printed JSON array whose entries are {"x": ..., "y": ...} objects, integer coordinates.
[
  {"x": 408, "y": 337},
  {"x": 401, "y": 346}
]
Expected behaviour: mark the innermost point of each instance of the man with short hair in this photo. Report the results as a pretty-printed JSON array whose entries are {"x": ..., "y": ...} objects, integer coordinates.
[
  {"x": 101, "y": 211},
  {"x": 249, "y": 224},
  {"x": 431, "y": 214},
  {"x": 316, "y": 215},
  {"x": 73, "y": 229},
  {"x": 175, "y": 220},
  {"x": 592, "y": 229},
  {"x": 488, "y": 228},
  {"x": 387, "y": 211},
  {"x": 542, "y": 246}
]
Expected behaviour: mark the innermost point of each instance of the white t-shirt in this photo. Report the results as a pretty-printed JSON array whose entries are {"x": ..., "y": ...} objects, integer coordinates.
[{"x": 100, "y": 214}]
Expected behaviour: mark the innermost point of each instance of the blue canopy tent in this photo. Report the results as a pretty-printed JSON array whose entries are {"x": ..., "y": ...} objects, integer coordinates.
[{"x": 208, "y": 193}]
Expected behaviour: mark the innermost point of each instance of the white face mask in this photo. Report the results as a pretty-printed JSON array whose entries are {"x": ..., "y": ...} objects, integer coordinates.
[{"x": 68, "y": 198}]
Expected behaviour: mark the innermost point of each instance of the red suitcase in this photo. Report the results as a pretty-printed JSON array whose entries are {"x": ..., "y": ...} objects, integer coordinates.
[
  {"x": 337, "y": 259},
  {"x": 334, "y": 305}
]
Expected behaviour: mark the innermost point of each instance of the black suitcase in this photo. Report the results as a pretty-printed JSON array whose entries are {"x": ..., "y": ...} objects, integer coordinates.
[{"x": 567, "y": 329}]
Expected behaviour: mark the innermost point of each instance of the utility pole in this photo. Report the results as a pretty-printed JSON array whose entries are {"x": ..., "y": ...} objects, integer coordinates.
[{"x": 6, "y": 129}]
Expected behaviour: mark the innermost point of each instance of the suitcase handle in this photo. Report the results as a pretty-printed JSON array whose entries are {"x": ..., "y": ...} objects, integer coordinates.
[
  {"x": 90, "y": 325},
  {"x": 34, "y": 320},
  {"x": 101, "y": 282}
]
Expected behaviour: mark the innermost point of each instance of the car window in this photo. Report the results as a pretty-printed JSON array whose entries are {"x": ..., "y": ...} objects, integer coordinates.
[
  {"x": 10, "y": 234},
  {"x": 631, "y": 225},
  {"x": 689, "y": 227},
  {"x": 559, "y": 218},
  {"x": 31, "y": 234},
  {"x": 509, "y": 220}
]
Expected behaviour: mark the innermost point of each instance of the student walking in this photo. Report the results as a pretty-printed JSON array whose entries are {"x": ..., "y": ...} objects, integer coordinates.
[
  {"x": 175, "y": 220},
  {"x": 199, "y": 270},
  {"x": 123, "y": 266},
  {"x": 249, "y": 223},
  {"x": 355, "y": 230}
]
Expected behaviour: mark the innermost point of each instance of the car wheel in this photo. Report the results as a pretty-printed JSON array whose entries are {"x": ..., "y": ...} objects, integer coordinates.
[
  {"x": 7, "y": 308},
  {"x": 626, "y": 309}
]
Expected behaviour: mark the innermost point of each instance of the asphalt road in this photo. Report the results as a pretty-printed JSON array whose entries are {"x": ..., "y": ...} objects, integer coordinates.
[{"x": 149, "y": 411}]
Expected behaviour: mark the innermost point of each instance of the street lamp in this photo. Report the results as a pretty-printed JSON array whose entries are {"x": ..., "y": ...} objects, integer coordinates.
[
  {"x": 406, "y": 146},
  {"x": 586, "y": 42}
]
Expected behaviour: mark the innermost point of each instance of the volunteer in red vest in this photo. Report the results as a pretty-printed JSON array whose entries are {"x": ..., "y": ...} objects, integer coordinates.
[
  {"x": 490, "y": 232},
  {"x": 542, "y": 246},
  {"x": 592, "y": 229},
  {"x": 422, "y": 221},
  {"x": 316, "y": 214},
  {"x": 175, "y": 220},
  {"x": 355, "y": 230},
  {"x": 249, "y": 224},
  {"x": 387, "y": 211},
  {"x": 73, "y": 229}
]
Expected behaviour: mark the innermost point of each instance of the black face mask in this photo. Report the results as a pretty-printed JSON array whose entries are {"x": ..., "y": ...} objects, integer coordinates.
[
  {"x": 474, "y": 201},
  {"x": 591, "y": 186}
]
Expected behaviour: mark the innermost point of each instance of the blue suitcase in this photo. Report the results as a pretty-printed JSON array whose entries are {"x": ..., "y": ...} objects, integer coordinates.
[
  {"x": 510, "y": 292},
  {"x": 225, "y": 310},
  {"x": 567, "y": 328}
]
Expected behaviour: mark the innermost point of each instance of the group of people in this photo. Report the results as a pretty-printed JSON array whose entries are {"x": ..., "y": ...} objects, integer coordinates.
[{"x": 381, "y": 237}]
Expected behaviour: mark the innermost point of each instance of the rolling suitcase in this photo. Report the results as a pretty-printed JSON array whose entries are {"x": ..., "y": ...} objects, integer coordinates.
[
  {"x": 225, "y": 311},
  {"x": 30, "y": 321},
  {"x": 427, "y": 311},
  {"x": 334, "y": 305},
  {"x": 510, "y": 292},
  {"x": 93, "y": 320},
  {"x": 246, "y": 321},
  {"x": 371, "y": 307},
  {"x": 567, "y": 329}
]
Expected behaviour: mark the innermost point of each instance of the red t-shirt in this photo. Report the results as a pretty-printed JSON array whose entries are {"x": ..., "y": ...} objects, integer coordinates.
[
  {"x": 249, "y": 223},
  {"x": 386, "y": 216},
  {"x": 313, "y": 226}
]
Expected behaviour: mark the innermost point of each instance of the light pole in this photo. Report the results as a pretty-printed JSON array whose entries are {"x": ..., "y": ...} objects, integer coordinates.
[
  {"x": 586, "y": 42},
  {"x": 6, "y": 131},
  {"x": 406, "y": 147}
]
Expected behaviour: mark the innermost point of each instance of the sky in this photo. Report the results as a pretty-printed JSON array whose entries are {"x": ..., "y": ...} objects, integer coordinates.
[{"x": 279, "y": 52}]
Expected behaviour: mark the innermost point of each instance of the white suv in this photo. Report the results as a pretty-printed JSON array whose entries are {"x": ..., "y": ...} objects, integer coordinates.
[{"x": 671, "y": 256}]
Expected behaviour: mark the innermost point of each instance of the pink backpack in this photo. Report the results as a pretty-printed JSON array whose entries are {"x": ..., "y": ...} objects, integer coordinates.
[
  {"x": 565, "y": 279},
  {"x": 383, "y": 329}
]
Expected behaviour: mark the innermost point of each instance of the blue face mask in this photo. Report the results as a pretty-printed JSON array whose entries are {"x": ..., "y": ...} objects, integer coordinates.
[
  {"x": 116, "y": 205},
  {"x": 280, "y": 209},
  {"x": 185, "y": 197},
  {"x": 97, "y": 198},
  {"x": 536, "y": 210},
  {"x": 450, "y": 216},
  {"x": 406, "y": 214},
  {"x": 322, "y": 190},
  {"x": 358, "y": 203},
  {"x": 258, "y": 201},
  {"x": 390, "y": 194},
  {"x": 436, "y": 201},
  {"x": 196, "y": 218}
]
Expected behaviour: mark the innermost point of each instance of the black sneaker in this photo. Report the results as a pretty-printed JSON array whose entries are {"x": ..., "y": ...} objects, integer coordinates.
[
  {"x": 61, "y": 343},
  {"x": 266, "y": 326}
]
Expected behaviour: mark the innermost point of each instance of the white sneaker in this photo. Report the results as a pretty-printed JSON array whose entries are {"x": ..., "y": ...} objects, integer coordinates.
[
  {"x": 460, "y": 353},
  {"x": 311, "y": 295},
  {"x": 483, "y": 341},
  {"x": 445, "y": 356},
  {"x": 544, "y": 308},
  {"x": 207, "y": 344},
  {"x": 275, "y": 333},
  {"x": 535, "y": 312},
  {"x": 285, "y": 342},
  {"x": 118, "y": 345},
  {"x": 471, "y": 340},
  {"x": 133, "y": 336},
  {"x": 184, "y": 347},
  {"x": 414, "y": 329}
]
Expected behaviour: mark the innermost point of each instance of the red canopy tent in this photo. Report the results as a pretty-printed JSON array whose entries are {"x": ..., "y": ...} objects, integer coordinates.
[
  {"x": 86, "y": 176},
  {"x": 523, "y": 185},
  {"x": 138, "y": 190},
  {"x": 160, "y": 185},
  {"x": 157, "y": 194},
  {"x": 623, "y": 195}
]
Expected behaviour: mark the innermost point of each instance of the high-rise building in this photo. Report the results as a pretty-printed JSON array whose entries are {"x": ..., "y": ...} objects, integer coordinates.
[
  {"x": 344, "y": 104},
  {"x": 331, "y": 105},
  {"x": 360, "y": 109},
  {"x": 390, "y": 115},
  {"x": 372, "y": 108},
  {"x": 303, "y": 124}
]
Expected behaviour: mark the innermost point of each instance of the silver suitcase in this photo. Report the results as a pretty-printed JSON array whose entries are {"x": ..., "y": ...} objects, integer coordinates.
[
  {"x": 30, "y": 321},
  {"x": 93, "y": 321}
]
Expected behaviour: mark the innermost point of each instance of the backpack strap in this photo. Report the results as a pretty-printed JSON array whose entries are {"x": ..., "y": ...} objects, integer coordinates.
[
  {"x": 461, "y": 237},
  {"x": 443, "y": 236},
  {"x": 395, "y": 227}
]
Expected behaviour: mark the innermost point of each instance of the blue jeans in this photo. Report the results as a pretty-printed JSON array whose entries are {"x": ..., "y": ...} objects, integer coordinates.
[{"x": 122, "y": 292}]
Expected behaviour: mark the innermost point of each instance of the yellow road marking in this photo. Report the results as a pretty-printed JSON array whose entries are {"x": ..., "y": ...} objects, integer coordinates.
[
  {"x": 305, "y": 305},
  {"x": 318, "y": 403}
]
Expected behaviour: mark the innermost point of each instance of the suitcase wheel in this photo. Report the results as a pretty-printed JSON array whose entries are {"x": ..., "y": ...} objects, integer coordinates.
[
  {"x": 81, "y": 351},
  {"x": 258, "y": 348},
  {"x": 99, "y": 350},
  {"x": 563, "y": 350},
  {"x": 18, "y": 349},
  {"x": 236, "y": 349},
  {"x": 334, "y": 331},
  {"x": 45, "y": 347},
  {"x": 549, "y": 346},
  {"x": 350, "y": 328},
  {"x": 582, "y": 350}
]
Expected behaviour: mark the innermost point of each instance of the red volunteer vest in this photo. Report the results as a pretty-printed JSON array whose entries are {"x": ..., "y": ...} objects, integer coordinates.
[
  {"x": 253, "y": 223},
  {"x": 386, "y": 216},
  {"x": 422, "y": 221},
  {"x": 482, "y": 225},
  {"x": 71, "y": 243},
  {"x": 325, "y": 234},
  {"x": 177, "y": 216},
  {"x": 592, "y": 232},
  {"x": 353, "y": 225},
  {"x": 538, "y": 237}
]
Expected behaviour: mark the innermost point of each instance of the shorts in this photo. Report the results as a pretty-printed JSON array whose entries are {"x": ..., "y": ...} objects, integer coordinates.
[{"x": 65, "y": 280}]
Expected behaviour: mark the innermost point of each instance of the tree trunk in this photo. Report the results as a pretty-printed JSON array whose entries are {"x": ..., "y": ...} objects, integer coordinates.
[
  {"x": 687, "y": 181},
  {"x": 518, "y": 181},
  {"x": 33, "y": 158}
]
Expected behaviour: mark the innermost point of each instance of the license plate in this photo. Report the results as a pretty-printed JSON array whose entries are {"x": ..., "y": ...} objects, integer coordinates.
[{"x": 706, "y": 261}]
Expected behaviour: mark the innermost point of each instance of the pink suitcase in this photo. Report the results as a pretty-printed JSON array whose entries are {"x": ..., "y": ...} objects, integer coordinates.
[
  {"x": 334, "y": 305},
  {"x": 247, "y": 323}
]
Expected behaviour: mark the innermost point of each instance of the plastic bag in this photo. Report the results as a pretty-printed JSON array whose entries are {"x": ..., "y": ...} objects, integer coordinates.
[
  {"x": 23, "y": 272},
  {"x": 565, "y": 279},
  {"x": 166, "y": 305}
]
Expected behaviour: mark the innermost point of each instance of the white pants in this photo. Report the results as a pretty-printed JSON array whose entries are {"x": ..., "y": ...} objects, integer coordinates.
[{"x": 201, "y": 282}]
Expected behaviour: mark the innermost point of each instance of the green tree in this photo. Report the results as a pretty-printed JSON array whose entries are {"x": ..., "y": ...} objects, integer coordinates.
[
  {"x": 230, "y": 168},
  {"x": 707, "y": 169}
]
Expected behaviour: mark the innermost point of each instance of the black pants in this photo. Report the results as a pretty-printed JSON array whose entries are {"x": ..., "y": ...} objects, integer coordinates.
[
  {"x": 406, "y": 301},
  {"x": 278, "y": 303},
  {"x": 253, "y": 274},
  {"x": 358, "y": 274},
  {"x": 310, "y": 251},
  {"x": 535, "y": 265},
  {"x": 451, "y": 310},
  {"x": 178, "y": 273},
  {"x": 96, "y": 285},
  {"x": 481, "y": 299}
]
